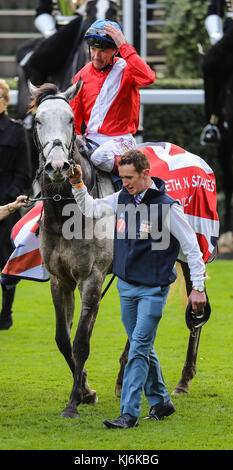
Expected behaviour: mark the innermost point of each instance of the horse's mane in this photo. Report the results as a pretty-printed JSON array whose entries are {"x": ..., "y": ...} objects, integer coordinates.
[{"x": 41, "y": 92}]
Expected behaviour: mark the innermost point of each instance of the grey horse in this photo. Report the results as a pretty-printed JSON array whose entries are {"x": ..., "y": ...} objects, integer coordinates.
[
  {"x": 80, "y": 256},
  {"x": 72, "y": 262}
]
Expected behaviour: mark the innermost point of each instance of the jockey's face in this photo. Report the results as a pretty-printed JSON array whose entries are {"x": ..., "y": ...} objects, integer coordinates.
[
  {"x": 101, "y": 57},
  {"x": 133, "y": 181}
]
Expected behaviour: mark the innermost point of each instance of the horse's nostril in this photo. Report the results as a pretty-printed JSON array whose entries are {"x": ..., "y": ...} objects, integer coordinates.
[
  {"x": 48, "y": 167},
  {"x": 55, "y": 166},
  {"x": 66, "y": 166}
]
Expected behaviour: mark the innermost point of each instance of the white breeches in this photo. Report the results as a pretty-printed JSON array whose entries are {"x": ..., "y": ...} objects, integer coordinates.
[{"x": 104, "y": 156}]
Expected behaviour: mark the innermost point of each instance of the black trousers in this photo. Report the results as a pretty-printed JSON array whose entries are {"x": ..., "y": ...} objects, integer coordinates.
[
  {"x": 6, "y": 248},
  {"x": 217, "y": 68}
]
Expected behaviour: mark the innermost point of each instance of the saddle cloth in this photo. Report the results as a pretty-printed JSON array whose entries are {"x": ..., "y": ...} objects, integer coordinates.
[{"x": 188, "y": 178}]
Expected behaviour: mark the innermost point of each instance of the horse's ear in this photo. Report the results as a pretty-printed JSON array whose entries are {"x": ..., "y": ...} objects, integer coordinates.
[
  {"x": 73, "y": 90},
  {"x": 32, "y": 88}
]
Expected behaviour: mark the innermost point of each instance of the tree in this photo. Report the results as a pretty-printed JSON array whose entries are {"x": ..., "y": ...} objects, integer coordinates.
[{"x": 185, "y": 29}]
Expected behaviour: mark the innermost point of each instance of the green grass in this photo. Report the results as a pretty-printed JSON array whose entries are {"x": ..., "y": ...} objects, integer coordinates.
[{"x": 36, "y": 382}]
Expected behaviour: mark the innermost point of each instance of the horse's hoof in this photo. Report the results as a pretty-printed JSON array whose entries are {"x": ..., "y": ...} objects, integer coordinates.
[
  {"x": 70, "y": 412},
  {"x": 179, "y": 391},
  {"x": 118, "y": 391},
  {"x": 90, "y": 398}
]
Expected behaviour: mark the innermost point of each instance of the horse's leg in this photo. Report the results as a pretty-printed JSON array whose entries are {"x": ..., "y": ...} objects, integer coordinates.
[
  {"x": 189, "y": 369},
  {"x": 123, "y": 361},
  {"x": 63, "y": 299},
  {"x": 91, "y": 294}
]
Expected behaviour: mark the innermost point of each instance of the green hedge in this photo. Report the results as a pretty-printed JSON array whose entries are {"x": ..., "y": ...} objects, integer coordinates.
[{"x": 185, "y": 29}]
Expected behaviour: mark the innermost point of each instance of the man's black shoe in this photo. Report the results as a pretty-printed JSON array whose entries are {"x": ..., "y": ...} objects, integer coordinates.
[
  {"x": 124, "y": 421},
  {"x": 5, "y": 322},
  {"x": 159, "y": 411},
  {"x": 210, "y": 135}
]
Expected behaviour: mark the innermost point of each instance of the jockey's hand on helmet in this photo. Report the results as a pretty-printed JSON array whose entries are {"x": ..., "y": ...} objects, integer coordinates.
[
  {"x": 117, "y": 36},
  {"x": 75, "y": 175}
]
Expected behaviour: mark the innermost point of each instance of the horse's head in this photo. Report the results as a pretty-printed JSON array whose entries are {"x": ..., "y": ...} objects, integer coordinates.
[{"x": 54, "y": 128}]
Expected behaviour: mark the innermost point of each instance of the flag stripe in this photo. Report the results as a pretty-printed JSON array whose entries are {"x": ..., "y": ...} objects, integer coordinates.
[{"x": 20, "y": 263}]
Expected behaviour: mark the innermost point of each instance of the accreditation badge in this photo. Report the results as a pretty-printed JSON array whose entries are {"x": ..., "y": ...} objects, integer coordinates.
[{"x": 145, "y": 229}]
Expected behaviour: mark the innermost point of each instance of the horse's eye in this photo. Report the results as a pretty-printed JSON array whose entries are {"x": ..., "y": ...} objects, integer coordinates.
[
  {"x": 37, "y": 121},
  {"x": 71, "y": 119}
]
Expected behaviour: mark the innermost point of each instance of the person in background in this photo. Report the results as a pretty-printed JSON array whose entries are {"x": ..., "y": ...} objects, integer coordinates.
[
  {"x": 15, "y": 178},
  {"x": 145, "y": 270},
  {"x": 217, "y": 65},
  {"x": 10, "y": 208},
  {"x": 50, "y": 14},
  {"x": 109, "y": 101}
]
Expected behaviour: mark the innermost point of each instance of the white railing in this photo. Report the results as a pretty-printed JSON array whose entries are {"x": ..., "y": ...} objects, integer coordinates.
[
  {"x": 149, "y": 96},
  {"x": 179, "y": 96}
]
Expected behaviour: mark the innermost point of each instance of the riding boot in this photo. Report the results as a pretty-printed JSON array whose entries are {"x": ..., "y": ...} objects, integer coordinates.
[{"x": 6, "y": 313}]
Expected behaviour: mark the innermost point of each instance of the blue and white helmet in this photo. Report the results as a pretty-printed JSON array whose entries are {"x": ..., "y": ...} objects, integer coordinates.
[{"x": 96, "y": 35}]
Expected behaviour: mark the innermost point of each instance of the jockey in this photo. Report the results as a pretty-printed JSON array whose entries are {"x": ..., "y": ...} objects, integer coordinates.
[
  {"x": 217, "y": 65},
  {"x": 109, "y": 102},
  {"x": 51, "y": 14}
]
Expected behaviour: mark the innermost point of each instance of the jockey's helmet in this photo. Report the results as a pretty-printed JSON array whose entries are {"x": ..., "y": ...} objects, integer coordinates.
[{"x": 97, "y": 37}]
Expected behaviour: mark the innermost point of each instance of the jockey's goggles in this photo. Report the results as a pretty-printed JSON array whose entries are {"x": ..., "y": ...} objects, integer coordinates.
[{"x": 98, "y": 33}]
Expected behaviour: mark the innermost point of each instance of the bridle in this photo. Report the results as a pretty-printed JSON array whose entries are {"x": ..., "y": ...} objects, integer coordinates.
[{"x": 55, "y": 143}]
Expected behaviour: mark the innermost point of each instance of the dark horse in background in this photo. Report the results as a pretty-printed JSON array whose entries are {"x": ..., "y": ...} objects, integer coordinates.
[
  {"x": 56, "y": 60},
  {"x": 78, "y": 261},
  {"x": 225, "y": 158},
  {"x": 218, "y": 86}
]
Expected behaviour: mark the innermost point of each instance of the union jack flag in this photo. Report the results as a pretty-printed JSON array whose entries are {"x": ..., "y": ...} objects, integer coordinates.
[
  {"x": 189, "y": 179},
  {"x": 26, "y": 261}
]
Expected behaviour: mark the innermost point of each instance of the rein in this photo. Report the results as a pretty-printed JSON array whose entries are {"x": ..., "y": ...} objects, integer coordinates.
[{"x": 55, "y": 198}]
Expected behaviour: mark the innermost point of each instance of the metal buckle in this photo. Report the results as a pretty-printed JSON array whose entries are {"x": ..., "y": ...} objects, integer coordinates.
[{"x": 57, "y": 197}]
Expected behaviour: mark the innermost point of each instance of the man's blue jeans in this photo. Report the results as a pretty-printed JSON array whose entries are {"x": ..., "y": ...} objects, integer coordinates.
[{"x": 141, "y": 310}]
